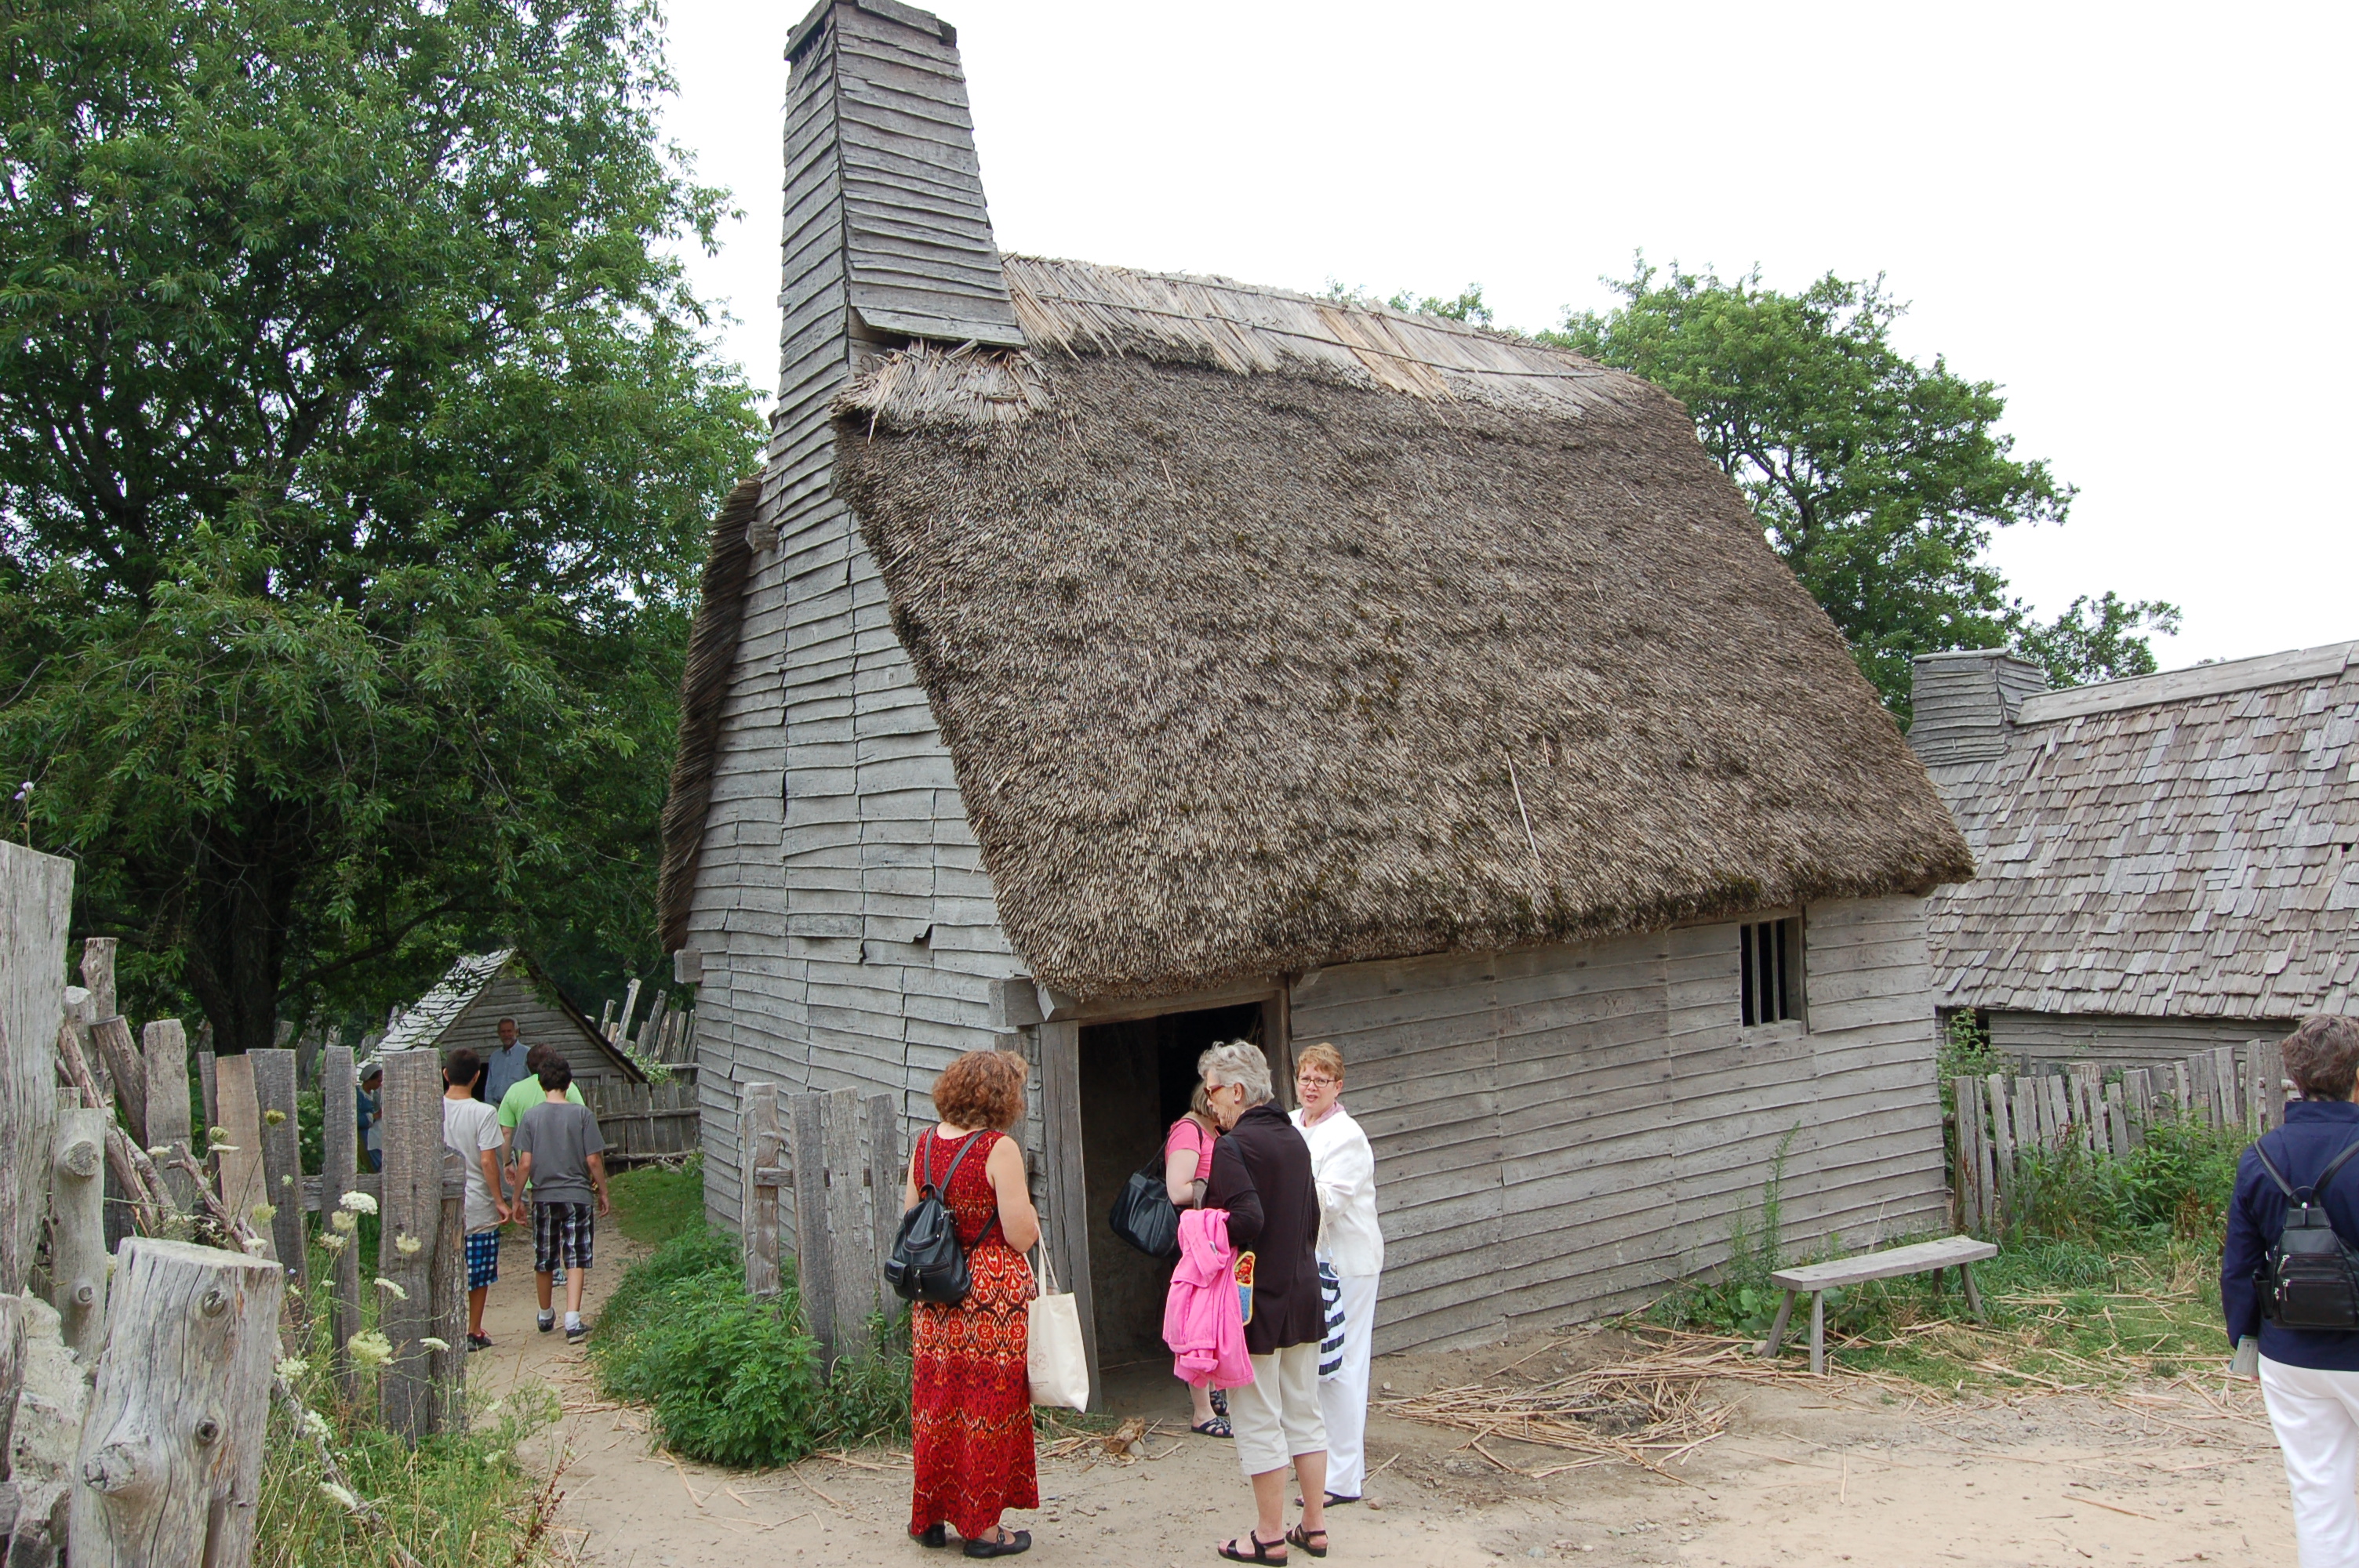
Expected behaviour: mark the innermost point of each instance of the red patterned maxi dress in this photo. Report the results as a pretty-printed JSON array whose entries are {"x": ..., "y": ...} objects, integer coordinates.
[{"x": 970, "y": 1402}]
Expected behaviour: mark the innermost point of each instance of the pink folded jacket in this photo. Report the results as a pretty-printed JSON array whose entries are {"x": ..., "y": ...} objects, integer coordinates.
[{"x": 1202, "y": 1321}]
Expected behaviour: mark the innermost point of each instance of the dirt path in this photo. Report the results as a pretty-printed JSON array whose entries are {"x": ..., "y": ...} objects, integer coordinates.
[{"x": 1807, "y": 1474}]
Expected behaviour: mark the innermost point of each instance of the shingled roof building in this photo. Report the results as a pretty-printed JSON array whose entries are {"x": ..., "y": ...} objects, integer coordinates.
[
  {"x": 1106, "y": 662},
  {"x": 2165, "y": 863}
]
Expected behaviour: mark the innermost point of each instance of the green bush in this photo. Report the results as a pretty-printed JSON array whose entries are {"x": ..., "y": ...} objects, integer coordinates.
[
  {"x": 2176, "y": 1184},
  {"x": 732, "y": 1380}
]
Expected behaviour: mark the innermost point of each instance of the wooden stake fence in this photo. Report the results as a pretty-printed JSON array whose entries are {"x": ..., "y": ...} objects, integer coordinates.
[
  {"x": 1998, "y": 1124},
  {"x": 838, "y": 1221}
]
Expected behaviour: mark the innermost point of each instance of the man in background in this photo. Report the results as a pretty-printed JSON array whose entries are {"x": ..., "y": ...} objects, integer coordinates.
[
  {"x": 471, "y": 1130},
  {"x": 505, "y": 1066}
]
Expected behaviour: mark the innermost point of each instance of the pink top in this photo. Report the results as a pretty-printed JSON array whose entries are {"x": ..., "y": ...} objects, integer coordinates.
[
  {"x": 1186, "y": 1134},
  {"x": 1203, "y": 1322}
]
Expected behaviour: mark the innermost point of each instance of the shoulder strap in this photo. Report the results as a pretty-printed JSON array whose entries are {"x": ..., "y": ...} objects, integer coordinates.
[
  {"x": 2325, "y": 1176},
  {"x": 2270, "y": 1166},
  {"x": 2335, "y": 1165}
]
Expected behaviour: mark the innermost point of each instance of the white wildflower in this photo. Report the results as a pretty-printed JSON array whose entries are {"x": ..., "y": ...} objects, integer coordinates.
[
  {"x": 333, "y": 1242},
  {"x": 359, "y": 1201},
  {"x": 316, "y": 1425},
  {"x": 344, "y": 1220},
  {"x": 287, "y": 1181},
  {"x": 409, "y": 1246},
  {"x": 227, "y": 1149},
  {"x": 291, "y": 1367},
  {"x": 433, "y": 1343},
  {"x": 215, "y": 1134},
  {"x": 389, "y": 1288},
  {"x": 370, "y": 1348},
  {"x": 274, "y": 1119},
  {"x": 257, "y": 1245},
  {"x": 160, "y": 1150},
  {"x": 264, "y": 1213},
  {"x": 341, "y": 1497}
]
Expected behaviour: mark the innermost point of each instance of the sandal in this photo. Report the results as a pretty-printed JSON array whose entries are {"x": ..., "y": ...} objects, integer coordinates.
[
  {"x": 1018, "y": 1541},
  {"x": 1297, "y": 1536},
  {"x": 1217, "y": 1427},
  {"x": 1260, "y": 1551}
]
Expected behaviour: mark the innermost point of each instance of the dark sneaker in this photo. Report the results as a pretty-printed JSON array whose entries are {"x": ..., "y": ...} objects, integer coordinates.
[
  {"x": 547, "y": 1320},
  {"x": 577, "y": 1331},
  {"x": 479, "y": 1342}
]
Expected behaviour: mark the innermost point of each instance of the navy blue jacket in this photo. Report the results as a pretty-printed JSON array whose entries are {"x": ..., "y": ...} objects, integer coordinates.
[{"x": 2315, "y": 1131}]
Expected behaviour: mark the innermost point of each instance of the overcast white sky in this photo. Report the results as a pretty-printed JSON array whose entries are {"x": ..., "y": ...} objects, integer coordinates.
[{"x": 2134, "y": 218}]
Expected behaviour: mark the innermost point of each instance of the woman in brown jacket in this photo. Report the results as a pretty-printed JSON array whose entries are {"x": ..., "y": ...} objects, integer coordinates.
[{"x": 1261, "y": 1175}]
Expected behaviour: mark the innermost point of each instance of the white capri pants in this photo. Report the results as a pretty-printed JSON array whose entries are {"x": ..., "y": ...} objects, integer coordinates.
[
  {"x": 2316, "y": 1416},
  {"x": 1276, "y": 1416},
  {"x": 1343, "y": 1398}
]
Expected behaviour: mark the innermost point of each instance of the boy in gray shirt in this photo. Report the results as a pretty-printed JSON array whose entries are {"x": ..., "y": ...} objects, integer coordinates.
[{"x": 559, "y": 1152}]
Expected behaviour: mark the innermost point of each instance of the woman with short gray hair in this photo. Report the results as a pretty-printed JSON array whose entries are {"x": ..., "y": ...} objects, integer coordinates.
[{"x": 1261, "y": 1175}]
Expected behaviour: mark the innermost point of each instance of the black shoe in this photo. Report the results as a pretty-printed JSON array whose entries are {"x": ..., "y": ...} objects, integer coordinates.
[
  {"x": 1022, "y": 1542},
  {"x": 547, "y": 1321},
  {"x": 478, "y": 1342},
  {"x": 933, "y": 1535},
  {"x": 575, "y": 1332}
]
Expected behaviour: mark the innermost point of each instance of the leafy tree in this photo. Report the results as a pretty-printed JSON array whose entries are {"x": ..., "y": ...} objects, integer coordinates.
[
  {"x": 356, "y": 434},
  {"x": 1880, "y": 481}
]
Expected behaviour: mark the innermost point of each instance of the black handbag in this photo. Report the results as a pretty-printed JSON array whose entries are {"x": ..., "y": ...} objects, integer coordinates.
[
  {"x": 1143, "y": 1215},
  {"x": 927, "y": 1264}
]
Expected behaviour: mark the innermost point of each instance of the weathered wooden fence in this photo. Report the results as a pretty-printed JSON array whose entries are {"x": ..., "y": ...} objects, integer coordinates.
[
  {"x": 820, "y": 1175},
  {"x": 646, "y": 1121},
  {"x": 1998, "y": 1121},
  {"x": 160, "y": 1365}
]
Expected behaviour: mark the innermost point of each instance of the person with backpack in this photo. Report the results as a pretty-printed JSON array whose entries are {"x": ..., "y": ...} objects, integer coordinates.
[
  {"x": 2287, "y": 1278},
  {"x": 970, "y": 1386}
]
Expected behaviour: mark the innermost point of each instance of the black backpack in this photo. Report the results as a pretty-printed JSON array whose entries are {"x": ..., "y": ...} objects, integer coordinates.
[
  {"x": 2309, "y": 1279},
  {"x": 1142, "y": 1214},
  {"x": 928, "y": 1263}
]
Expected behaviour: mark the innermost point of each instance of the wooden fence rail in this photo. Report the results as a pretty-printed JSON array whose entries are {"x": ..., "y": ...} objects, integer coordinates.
[
  {"x": 1999, "y": 1123},
  {"x": 840, "y": 1157}
]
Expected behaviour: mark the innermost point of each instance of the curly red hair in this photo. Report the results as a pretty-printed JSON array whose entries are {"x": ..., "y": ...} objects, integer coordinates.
[{"x": 982, "y": 1088}]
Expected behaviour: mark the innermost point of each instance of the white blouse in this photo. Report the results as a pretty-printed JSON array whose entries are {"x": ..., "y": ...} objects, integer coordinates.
[{"x": 1344, "y": 1167}]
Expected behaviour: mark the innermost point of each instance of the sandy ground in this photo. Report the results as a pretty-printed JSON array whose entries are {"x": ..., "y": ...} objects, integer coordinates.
[{"x": 1810, "y": 1471}]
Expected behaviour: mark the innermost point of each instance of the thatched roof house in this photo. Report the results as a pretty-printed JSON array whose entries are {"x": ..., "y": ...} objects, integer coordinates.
[
  {"x": 1106, "y": 662},
  {"x": 2165, "y": 863}
]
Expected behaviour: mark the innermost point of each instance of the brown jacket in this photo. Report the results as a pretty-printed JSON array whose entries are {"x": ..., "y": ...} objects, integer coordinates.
[{"x": 1261, "y": 1174}]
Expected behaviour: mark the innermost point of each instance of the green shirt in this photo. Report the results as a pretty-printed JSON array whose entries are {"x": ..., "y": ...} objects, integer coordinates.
[{"x": 523, "y": 1095}]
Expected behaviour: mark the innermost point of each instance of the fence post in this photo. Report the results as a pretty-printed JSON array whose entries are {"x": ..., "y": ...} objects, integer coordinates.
[
  {"x": 78, "y": 1259},
  {"x": 2002, "y": 1135},
  {"x": 757, "y": 1200},
  {"x": 2027, "y": 1115},
  {"x": 282, "y": 1161},
  {"x": 887, "y": 1171},
  {"x": 2118, "y": 1127},
  {"x": 164, "y": 1045},
  {"x": 2202, "y": 1094},
  {"x": 128, "y": 1071},
  {"x": 170, "y": 1464},
  {"x": 814, "y": 1270},
  {"x": 410, "y": 1212},
  {"x": 338, "y": 1148},
  {"x": 2137, "y": 1087},
  {"x": 208, "y": 1076},
  {"x": 448, "y": 1289},
  {"x": 237, "y": 1161},
  {"x": 2264, "y": 1069},
  {"x": 1970, "y": 1162}
]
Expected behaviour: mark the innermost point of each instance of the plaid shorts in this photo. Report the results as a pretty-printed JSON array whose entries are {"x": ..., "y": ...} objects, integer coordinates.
[
  {"x": 483, "y": 1257},
  {"x": 561, "y": 1235}
]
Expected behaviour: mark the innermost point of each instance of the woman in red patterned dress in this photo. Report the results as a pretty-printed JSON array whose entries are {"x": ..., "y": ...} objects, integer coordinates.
[{"x": 971, "y": 1399}]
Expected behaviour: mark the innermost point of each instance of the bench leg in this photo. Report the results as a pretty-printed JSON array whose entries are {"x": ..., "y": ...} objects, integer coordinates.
[
  {"x": 1776, "y": 1340},
  {"x": 1818, "y": 1331},
  {"x": 1973, "y": 1296}
]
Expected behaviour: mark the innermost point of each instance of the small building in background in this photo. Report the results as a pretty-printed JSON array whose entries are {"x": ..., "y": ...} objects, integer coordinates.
[{"x": 2164, "y": 864}]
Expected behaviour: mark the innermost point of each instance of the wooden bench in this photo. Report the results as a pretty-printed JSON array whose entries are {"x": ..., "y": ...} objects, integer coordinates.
[{"x": 1958, "y": 1252}]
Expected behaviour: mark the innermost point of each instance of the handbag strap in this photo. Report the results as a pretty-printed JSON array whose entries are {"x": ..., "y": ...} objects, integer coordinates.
[{"x": 1047, "y": 1271}]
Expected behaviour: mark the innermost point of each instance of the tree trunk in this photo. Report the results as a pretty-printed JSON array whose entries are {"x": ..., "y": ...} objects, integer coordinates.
[{"x": 242, "y": 906}]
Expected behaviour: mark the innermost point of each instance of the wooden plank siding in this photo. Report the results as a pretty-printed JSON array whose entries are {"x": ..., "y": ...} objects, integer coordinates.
[
  {"x": 844, "y": 928},
  {"x": 1577, "y": 1127},
  {"x": 2040, "y": 1040}
]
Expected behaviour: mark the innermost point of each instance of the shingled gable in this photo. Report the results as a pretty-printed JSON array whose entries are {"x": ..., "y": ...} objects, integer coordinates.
[
  {"x": 2180, "y": 846},
  {"x": 1268, "y": 633}
]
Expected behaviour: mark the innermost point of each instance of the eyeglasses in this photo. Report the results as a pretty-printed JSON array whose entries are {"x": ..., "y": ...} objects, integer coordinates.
[{"x": 1314, "y": 1079}]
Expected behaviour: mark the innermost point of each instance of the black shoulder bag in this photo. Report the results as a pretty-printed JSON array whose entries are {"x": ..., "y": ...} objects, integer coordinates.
[
  {"x": 2309, "y": 1279},
  {"x": 928, "y": 1263},
  {"x": 1142, "y": 1214}
]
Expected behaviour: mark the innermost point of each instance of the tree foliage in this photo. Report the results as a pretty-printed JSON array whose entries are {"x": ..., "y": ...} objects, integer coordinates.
[
  {"x": 1879, "y": 479},
  {"x": 356, "y": 437}
]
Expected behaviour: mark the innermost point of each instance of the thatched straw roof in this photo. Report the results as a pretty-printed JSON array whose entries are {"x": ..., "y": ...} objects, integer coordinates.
[
  {"x": 704, "y": 686},
  {"x": 1268, "y": 633}
]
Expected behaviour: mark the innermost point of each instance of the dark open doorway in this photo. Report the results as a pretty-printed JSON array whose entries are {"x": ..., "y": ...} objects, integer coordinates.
[{"x": 1135, "y": 1078}]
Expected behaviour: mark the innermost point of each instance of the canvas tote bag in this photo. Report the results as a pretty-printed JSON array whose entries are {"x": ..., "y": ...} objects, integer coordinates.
[{"x": 1059, "y": 1371}]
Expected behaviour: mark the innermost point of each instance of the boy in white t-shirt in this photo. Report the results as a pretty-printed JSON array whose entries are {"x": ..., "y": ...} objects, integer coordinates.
[{"x": 472, "y": 1128}]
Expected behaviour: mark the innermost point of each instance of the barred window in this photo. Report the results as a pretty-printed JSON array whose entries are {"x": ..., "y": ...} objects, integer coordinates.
[{"x": 1769, "y": 962}]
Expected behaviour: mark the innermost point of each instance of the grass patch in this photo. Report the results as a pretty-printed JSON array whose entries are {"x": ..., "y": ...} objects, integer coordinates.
[
  {"x": 656, "y": 1203},
  {"x": 731, "y": 1380},
  {"x": 2108, "y": 1271}
]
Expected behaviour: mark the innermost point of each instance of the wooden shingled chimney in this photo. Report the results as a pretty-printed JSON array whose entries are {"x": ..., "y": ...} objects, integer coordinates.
[{"x": 887, "y": 239}]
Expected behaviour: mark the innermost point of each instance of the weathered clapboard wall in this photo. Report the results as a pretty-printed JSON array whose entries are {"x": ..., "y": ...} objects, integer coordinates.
[
  {"x": 2046, "y": 1039},
  {"x": 1584, "y": 1121},
  {"x": 842, "y": 931}
]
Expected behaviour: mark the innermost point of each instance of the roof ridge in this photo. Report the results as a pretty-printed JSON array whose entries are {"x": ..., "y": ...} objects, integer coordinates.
[{"x": 2196, "y": 681}]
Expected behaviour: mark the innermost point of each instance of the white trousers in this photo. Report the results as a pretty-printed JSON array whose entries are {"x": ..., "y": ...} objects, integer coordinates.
[
  {"x": 2316, "y": 1417},
  {"x": 1276, "y": 1416},
  {"x": 1343, "y": 1398}
]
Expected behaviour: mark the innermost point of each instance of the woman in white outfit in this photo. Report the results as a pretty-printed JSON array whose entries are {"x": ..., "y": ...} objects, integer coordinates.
[{"x": 1351, "y": 1243}]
